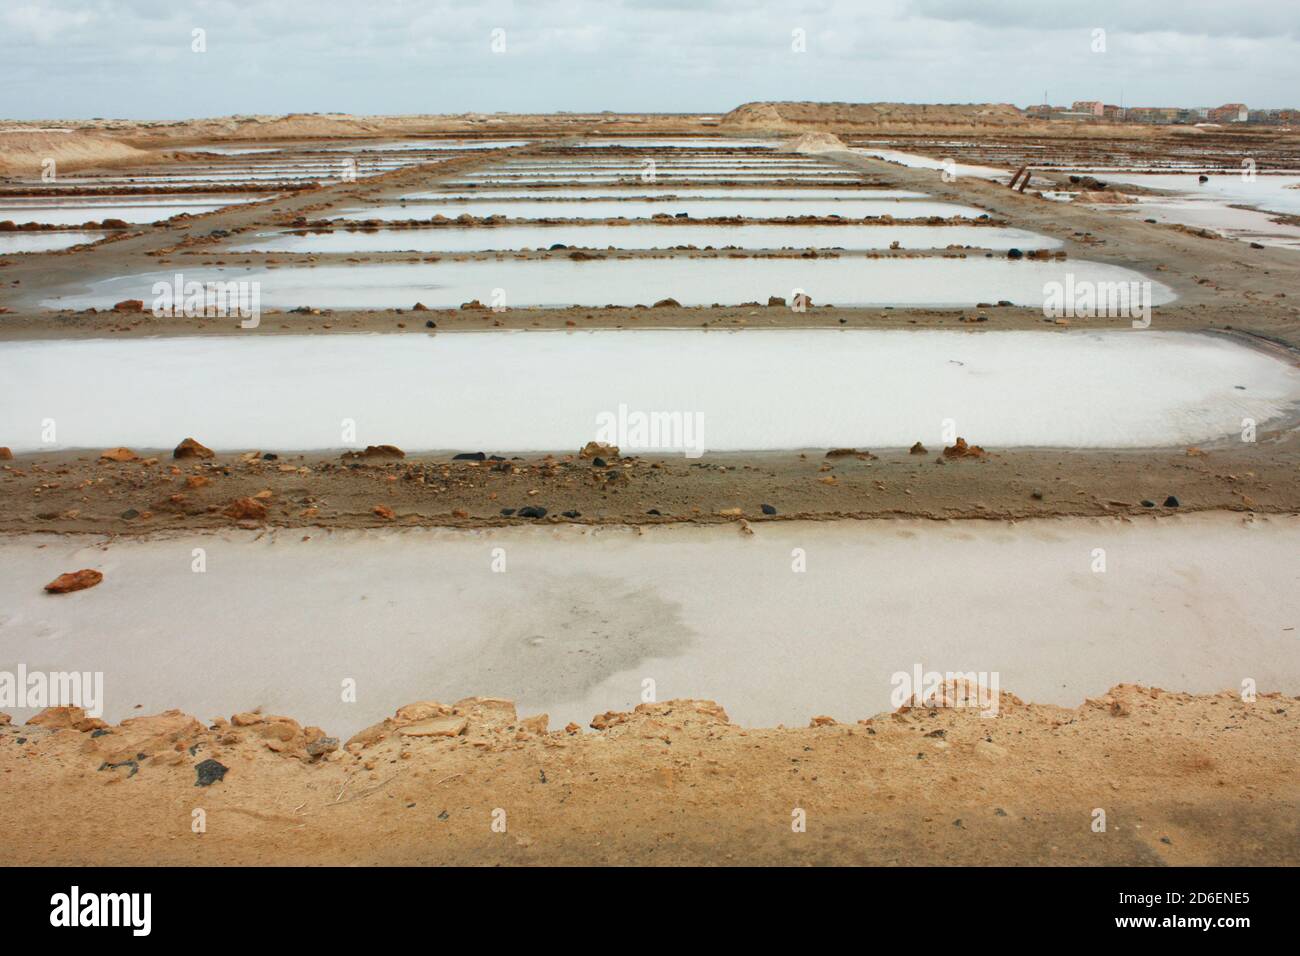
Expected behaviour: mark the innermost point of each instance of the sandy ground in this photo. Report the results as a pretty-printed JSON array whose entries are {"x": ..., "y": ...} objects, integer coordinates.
[{"x": 1206, "y": 780}]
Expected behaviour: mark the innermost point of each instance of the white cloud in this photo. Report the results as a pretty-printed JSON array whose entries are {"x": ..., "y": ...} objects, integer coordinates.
[{"x": 132, "y": 57}]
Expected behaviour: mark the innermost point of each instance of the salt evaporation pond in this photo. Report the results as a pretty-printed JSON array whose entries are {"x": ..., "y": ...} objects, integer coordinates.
[
  {"x": 651, "y": 189},
  {"x": 804, "y": 177},
  {"x": 680, "y": 143},
  {"x": 637, "y": 164},
  {"x": 1218, "y": 204},
  {"x": 1243, "y": 225},
  {"x": 917, "y": 161},
  {"x": 1279, "y": 194},
  {"x": 364, "y": 146},
  {"x": 584, "y": 616},
  {"x": 644, "y": 209},
  {"x": 11, "y": 242},
  {"x": 650, "y": 236},
  {"x": 547, "y": 391},
  {"x": 665, "y": 169},
  {"x": 132, "y": 212},
  {"x": 843, "y": 280}
]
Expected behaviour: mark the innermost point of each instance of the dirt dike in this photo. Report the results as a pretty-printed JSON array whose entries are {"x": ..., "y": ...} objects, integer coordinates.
[
  {"x": 791, "y": 116},
  {"x": 151, "y": 492},
  {"x": 23, "y": 153}
]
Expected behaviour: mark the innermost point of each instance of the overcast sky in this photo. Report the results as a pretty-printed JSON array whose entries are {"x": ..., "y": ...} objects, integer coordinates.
[{"x": 134, "y": 58}]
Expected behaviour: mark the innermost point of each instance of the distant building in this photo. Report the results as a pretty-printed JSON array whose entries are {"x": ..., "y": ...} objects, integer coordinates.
[
  {"x": 1083, "y": 111},
  {"x": 1043, "y": 111},
  {"x": 1274, "y": 117},
  {"x": 1157, "y": 115},
  {"x": 1229, "y": 113}
]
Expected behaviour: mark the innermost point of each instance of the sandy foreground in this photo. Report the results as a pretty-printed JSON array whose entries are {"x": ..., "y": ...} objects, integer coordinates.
[{"x": 1180, "y": 779}]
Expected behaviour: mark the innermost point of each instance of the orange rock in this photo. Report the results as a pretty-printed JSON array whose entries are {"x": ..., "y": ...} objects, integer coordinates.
[
  {"x": 594, "y": 449},
  {"x": 451, "y": 726},
  {"x": 384, "y": 512},
  {"x": 539, "y": 724},
  {"x": 245, "y": 509},
  {"x": 5, "y": 454},
  {"x": 129, "y": 305},
  {"x": 611, "y": 718},
  {"x": 74, "y": 581},
  {"x": 190, "y": 448},
  {"x": 119, "y": 454},
  {"x": 420, "y": 710},
  {"x": 963, "y": 450},
  {"x": 377, "y": 451},
  {"x": 58, "y": 718},
  {"x": 150, "y": 735},
  {"x": 196, "y": 481}
]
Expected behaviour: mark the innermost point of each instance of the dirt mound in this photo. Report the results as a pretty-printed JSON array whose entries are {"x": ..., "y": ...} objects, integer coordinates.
[
  {"x": 816, "y": 143},
  {"x": 22, "y": 152},
  {"x": 300, "y": 125},
  {"x": 1104, "y": 197},
  {"x": 789, "y": 117}
]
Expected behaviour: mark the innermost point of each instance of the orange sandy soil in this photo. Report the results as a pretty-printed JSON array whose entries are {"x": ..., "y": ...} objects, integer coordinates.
[{"x": 1182, "y": 779}]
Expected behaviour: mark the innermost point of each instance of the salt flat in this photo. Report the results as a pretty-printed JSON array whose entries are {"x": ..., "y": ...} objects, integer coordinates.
[
  {"x": 580, "y": 619},
  {"x": 544, "y": 391}
]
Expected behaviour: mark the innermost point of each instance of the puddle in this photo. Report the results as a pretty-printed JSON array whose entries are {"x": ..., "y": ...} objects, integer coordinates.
[
  {"x": 644, "y": 209},
  {"x": 596, "y": 236},
  {"x": 11, "y": 242},
  {"x": 754, "y": 389},
  {"x": 583, "y": 617},
  {"x": 556, "y": 282}
]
